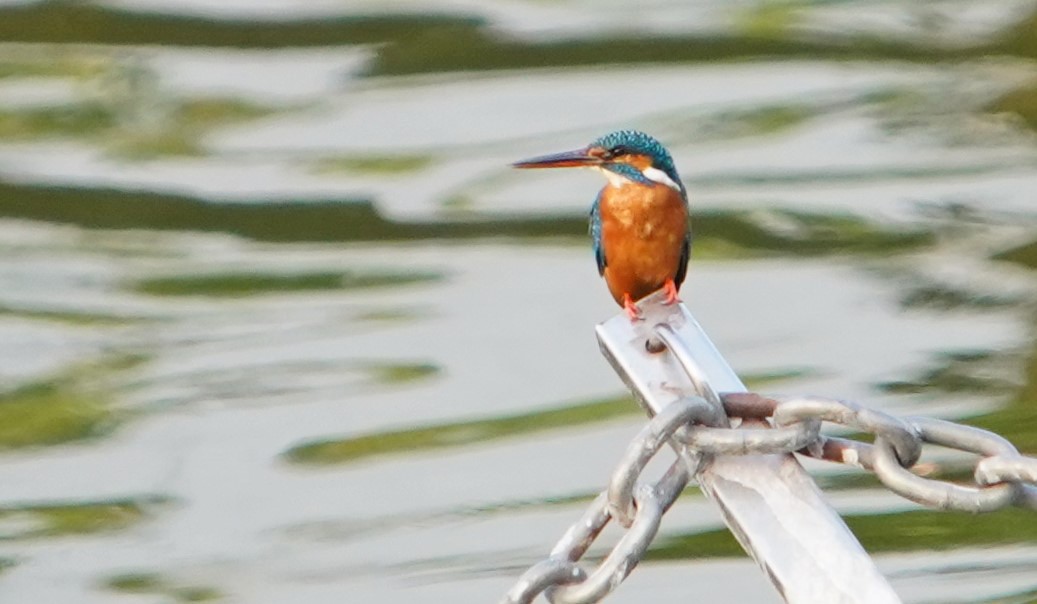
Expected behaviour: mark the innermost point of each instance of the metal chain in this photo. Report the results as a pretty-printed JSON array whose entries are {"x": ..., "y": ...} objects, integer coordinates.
[
  {"x": 639, "y": 507},
  {"x": 1003, "y": 477}
]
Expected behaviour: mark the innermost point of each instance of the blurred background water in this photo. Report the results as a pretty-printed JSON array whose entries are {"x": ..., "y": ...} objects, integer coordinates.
[{"x": 280, "y": 325}]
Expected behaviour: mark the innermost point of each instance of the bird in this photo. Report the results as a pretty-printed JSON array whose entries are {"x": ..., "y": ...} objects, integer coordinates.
[{"x": 639, "y": 223}]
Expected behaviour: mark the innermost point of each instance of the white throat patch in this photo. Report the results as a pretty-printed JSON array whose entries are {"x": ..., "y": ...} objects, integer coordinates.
[
  {"x": 657, "y": 175},
  {"x": 652, "y": 174}
]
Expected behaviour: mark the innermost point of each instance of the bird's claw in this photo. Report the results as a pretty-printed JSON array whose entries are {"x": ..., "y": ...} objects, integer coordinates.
[
  {"x": 632, "y": 310},
  {"x": 671, "y": 292}
]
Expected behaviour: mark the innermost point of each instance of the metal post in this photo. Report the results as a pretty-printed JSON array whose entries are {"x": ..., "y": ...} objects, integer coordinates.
[{"x": 769, "y": 502}]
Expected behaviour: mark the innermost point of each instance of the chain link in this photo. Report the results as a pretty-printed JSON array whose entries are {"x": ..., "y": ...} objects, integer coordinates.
[
  {"x": 945, "y": 495},
  {"x": 679, "y": 414},
  {"x": 898, "y": 444},
  {"x": 639, "y": 507},
  {"x": 1012, "y": 468},
  {"x": 1002, "y": 476}
]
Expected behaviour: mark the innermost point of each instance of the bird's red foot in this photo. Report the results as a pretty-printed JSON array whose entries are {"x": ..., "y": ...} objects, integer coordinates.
[
  {"x": 632, "y": 311},
  {"x": 671, "y": 292}
]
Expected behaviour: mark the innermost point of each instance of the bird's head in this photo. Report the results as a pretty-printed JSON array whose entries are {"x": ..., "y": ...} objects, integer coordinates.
[{"x": 624, "y": 156}]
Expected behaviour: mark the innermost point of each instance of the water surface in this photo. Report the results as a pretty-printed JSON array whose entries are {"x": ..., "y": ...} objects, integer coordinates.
[{"x": 281, "y": 324}]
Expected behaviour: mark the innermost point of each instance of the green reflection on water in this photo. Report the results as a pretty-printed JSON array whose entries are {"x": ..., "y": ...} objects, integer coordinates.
[
  {"x": 718, "y": 233},
  {"x": 460, "y": 433},
  {"x": 984, "y": 372},
  {"x": 316, "y": 220},
  {"x": 69, "y": 21},
  {"x": 1017, "y": 421},
  {"x": 758, "y": 121},
  {"x": 1022, "y": 102},
  {"x": 1021, "y": 39},
  {"x": 767, "y": 19},
  {"x": 424, "y": 44},
  {"x": 1026, "y": 596},
  {"x": 1025, "y": 255},
  {"x": 52, "y": 412},
  {"x": 63, "y": 64},
  {"x": 69, "y": 120},
  {"x": 251, "y": 284},
  {"x": 468, "y": 46},
  {"x": 67, "y": 317},
  {"x": 375, "y": 165},
  {"x": 181, "y": 127},
  {"x": 74, "y": 405},
  {"x": 803, "y": 234},
  {"x": 175, "y": 129},
  {"x": 402, "y": 373},
  {"x": 154, "y": 583},
  {"x": 391, "y": 315},
  {"x": 914, "y": 530},
  {"x": 849, "y": 176},
  {"x": 754, "y": 381},
  {"x": 215, "y": 111},
  {"x": 50, "y": 520},
  {"x": 939, "y": 296},
  {"x": 125, "y": 108},
  {"x": 455, "y": 434}
]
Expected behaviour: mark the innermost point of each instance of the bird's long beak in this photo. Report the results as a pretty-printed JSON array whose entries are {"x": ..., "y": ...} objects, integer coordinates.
[{"x": 567, "y": 159}]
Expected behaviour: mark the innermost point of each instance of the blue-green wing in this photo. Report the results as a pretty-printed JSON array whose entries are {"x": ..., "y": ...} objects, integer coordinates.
[
  {"x": 682, "y": 264},
  {"x": 595, "y": 231}
]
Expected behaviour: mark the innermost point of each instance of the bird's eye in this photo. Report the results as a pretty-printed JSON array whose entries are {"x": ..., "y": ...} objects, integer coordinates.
[{"x": 617, "y": 151}]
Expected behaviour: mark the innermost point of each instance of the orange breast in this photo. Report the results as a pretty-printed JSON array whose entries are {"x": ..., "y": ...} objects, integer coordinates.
[{"x": 642, "y": 234}]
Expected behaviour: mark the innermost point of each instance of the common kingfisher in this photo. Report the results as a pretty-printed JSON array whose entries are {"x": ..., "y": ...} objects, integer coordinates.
[{"x": 639, "y": 222}]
